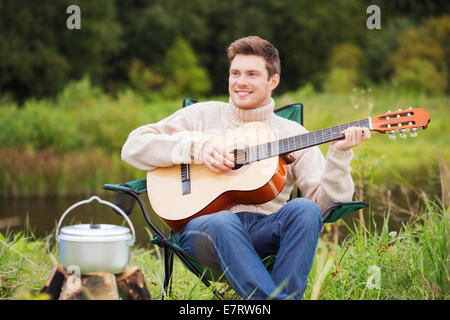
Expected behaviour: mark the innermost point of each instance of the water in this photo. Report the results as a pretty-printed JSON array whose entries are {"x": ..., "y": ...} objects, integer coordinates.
[{"x": 43, "y": 215}]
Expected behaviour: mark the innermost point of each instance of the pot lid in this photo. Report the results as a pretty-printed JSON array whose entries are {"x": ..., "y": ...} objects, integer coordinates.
[{"x": 95, "y": 231}]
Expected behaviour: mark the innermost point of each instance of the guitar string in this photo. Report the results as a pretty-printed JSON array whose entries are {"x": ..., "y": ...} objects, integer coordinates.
[
  {"x": 292, "y": 143},
  {"x": 252, "y": 152}
]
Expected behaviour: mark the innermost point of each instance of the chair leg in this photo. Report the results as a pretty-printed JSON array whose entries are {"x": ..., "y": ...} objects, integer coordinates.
[{"x": 168, "y": 268}]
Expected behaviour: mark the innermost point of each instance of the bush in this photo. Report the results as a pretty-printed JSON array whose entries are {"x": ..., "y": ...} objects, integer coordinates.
[
  {"x": 421, "y": 59},
  {"x": 184, "y": 76},
  {"x": 340, "y": 80},
  {"x": 143, "y": 78},
  {"x": 345, "y": 62},
  {"x": 420, "y": 76}
]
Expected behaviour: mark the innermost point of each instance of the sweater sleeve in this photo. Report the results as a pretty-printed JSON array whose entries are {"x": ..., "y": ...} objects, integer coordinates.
[
  {"x": 163, "y": 144},
  {"x": 324, "y": 181}
]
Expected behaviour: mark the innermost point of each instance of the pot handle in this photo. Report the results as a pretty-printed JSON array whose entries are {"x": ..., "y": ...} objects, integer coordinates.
[{"x": 112, "y": 205}]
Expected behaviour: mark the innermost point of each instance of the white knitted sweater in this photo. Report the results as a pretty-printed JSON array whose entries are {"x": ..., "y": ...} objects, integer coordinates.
[{"x": 163, "y": 144}]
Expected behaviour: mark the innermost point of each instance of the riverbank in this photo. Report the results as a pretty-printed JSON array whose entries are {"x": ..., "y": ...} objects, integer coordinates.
[
  {"x": 412, "y": 263},
  {"x": 71, "y": 145}
]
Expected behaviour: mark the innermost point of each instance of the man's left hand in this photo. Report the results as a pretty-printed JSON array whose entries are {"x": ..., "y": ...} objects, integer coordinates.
[{"x": 354, "y": 136}]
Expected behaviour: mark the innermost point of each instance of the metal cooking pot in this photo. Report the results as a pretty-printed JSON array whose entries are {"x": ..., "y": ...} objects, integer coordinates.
[{"x": 95, "y": 247}]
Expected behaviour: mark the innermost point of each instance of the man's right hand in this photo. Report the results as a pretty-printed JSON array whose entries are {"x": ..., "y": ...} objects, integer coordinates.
[{"x": 216, "y": 158}]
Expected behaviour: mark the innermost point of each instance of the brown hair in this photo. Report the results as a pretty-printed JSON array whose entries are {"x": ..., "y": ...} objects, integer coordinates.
[{"x": 254, "y": 45}]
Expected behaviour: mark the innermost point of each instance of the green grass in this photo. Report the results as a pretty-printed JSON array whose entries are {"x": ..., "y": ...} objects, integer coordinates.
[
  {"x": 409, "y": 264},
  {"x": 412, "y": 263},
  {"x": 71, "y": 146}
]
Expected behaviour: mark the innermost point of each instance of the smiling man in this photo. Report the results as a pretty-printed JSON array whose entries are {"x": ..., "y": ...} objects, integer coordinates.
[
  {"x": 250, "y": 83},
  {"x": 238, "y": 238}
]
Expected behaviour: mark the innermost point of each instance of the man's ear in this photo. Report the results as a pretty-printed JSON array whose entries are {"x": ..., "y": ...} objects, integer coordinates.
[{"x": 274, "y": 81}]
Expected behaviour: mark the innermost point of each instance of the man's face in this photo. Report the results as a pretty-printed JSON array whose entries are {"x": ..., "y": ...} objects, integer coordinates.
[{"x": 248, "y": 84}]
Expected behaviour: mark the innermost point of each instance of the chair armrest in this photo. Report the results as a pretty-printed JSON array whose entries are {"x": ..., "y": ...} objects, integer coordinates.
[
  {"x": 339, "y": 210},
  {"x": 138, "y": 186}
]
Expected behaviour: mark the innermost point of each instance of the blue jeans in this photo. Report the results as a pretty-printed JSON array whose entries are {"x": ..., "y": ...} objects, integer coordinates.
[{"x": 236, "y": 242}]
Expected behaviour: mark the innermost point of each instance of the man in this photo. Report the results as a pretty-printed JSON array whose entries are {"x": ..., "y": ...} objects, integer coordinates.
[{"x": 236, "y": 239}]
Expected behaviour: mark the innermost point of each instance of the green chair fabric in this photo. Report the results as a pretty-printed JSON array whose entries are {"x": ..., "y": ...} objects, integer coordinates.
[{"x": 292, "y": 112}]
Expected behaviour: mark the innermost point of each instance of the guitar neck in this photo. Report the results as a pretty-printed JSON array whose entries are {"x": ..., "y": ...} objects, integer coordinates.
[{"x": 302, "y": 141}]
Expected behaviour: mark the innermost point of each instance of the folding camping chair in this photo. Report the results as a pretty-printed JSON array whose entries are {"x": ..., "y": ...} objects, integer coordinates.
[{"x": 128, "y": 193}]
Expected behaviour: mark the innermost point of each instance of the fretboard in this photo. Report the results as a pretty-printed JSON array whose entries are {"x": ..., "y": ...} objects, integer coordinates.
[{"x": 303, "y": 141}]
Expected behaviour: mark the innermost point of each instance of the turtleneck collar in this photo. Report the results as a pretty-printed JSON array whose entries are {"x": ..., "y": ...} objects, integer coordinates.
[{"x": 239, "y": 116}]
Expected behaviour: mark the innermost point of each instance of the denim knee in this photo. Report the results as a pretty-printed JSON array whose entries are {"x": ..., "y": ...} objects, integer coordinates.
[
  {"x": 219, "y": 223},
  {"x": 307, "y": 211},
  {"x": 202, "y": 234}
]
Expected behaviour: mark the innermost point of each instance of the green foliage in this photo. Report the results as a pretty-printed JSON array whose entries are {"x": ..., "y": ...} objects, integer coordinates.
[
  {"x": 39, "y": 55},
  {"x": 340, "y": 80},
  {"x": 421, "y": 59},
  {"x": 346, "y": 55},
  {"x": 369, "y": 264},
  {"x": 143, "y": 78},
  {"x": 185, "y": 78},
  {"x": 73, "y": 144},
  {"x": 420, "y": 76},
  {"x": 387, "y": 265},
  {"x": 25, "y": 262},
  {"x": 381, "y": 45},
  {"x": 345, "y": 63},
  {"x": 125, "y": 43}
]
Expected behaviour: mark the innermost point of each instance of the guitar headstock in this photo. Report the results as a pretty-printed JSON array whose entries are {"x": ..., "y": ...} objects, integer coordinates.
[{"x": 401, "y": 121}]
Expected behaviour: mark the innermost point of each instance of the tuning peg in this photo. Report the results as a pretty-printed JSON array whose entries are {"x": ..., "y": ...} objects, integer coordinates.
[
  {"x": 392, "y": 136},
  {"x": 413, "y": 133},
  {"x": 402, "y": 135}
]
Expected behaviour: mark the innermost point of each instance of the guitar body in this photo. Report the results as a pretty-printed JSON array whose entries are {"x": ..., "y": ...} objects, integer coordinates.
[
  {"x": 263, "y": 174},
  {"x": 253, "y": 183}
]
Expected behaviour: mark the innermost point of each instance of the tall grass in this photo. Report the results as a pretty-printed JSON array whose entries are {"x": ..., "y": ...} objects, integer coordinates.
[
  {"x": 412, "y": 263},
  {"x": 409, "y": 264}
]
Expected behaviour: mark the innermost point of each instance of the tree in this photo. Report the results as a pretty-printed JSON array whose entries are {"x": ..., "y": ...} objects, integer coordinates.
[
  {"x": 346, "y": 62},
  {"x": 185, "y": 78},
  {"x": 422, "y": 57},
  {"x": 39, "y": 54}
]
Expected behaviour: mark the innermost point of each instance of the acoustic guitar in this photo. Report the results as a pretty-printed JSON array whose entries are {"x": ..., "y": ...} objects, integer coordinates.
[{"x": 180, "y": 193}]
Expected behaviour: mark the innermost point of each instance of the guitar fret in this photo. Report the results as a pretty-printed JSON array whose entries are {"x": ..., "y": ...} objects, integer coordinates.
[
  {"x": 329, "y": 136},
  {"x": 297, "y": 142},
  {"x": 304, "y": 139},
  {"x": 291, "y": 143},
  {"x": 294, "y": 143},
  {"x": 335, "y": 132},
  {"x": 311, "y": 134}
]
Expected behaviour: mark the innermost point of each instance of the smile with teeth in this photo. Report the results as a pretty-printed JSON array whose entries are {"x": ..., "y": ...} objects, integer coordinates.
[{"x": 243, "y": 93}]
